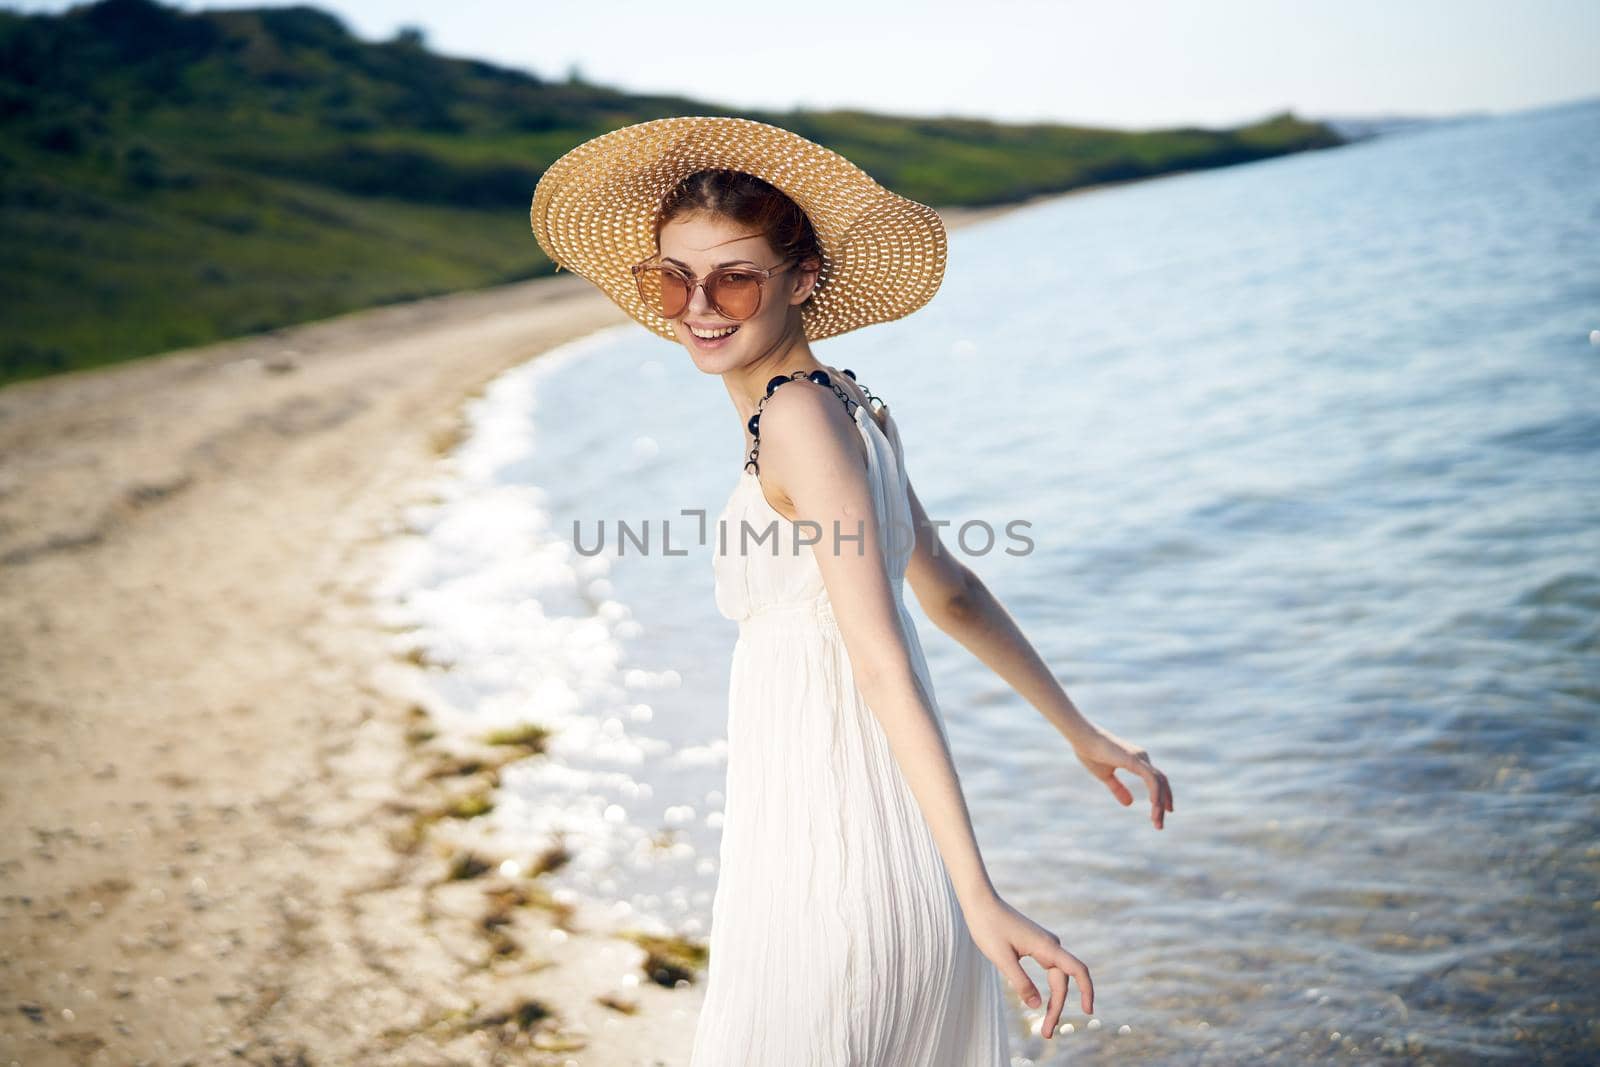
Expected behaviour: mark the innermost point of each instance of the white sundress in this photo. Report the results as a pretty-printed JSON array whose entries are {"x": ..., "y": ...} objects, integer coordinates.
[{"x": 837, "y": 939}]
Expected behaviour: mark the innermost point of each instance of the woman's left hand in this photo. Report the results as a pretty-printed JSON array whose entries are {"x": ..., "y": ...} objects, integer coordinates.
[{"x": 1104, "y": 753}]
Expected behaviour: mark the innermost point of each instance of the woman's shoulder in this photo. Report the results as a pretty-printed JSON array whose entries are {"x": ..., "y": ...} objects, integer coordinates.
[
  {"x": 800, "y": 407},
  {"x": 803, "y": 416},
  {"x": 821, "y": 396}
]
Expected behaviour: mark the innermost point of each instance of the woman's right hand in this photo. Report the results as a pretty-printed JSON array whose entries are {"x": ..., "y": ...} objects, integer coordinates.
[{"x": 1005, "y": 935}]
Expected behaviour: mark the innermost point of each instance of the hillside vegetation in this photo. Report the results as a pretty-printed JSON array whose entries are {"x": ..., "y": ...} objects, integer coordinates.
[{"x": 169, "y": 178}]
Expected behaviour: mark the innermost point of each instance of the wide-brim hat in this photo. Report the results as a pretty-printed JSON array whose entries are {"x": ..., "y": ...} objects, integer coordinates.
[{"x": 594, "y": 213}]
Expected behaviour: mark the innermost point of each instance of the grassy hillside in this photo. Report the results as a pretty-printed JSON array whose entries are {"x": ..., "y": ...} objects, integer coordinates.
[{"x": 169, "y": 178}]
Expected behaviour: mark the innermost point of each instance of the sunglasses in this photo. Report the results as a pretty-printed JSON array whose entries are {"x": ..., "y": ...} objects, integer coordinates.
[{"x": 734, "y": 292}]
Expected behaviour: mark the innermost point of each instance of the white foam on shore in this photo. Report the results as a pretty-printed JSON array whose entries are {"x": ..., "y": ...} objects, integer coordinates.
[{"x": 526, "y": 631}]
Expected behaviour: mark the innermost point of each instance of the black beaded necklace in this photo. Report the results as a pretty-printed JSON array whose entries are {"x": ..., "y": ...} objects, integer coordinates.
[{"x": 821, "y": 378}]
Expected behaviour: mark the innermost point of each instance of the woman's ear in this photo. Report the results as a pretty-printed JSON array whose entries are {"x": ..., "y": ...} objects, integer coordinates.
[{"x": 805, "y": 274}]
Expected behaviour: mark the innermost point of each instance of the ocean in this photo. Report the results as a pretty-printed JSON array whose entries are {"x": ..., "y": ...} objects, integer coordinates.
[{"x": 1308, "y": 451}]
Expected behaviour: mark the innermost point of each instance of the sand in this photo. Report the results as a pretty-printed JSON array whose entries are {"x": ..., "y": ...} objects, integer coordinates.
[{"x": 223, "y": 808}]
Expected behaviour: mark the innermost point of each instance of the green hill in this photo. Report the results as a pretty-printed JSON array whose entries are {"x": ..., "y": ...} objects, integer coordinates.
[{"x": 169, "y": 178}]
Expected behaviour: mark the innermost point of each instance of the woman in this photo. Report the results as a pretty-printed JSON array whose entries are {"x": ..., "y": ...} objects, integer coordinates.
[{"x": 853, "y": 911}]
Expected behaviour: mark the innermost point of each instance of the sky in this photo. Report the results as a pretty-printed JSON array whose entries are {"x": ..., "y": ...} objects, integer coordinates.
[{"x": 1131, "y": 64}]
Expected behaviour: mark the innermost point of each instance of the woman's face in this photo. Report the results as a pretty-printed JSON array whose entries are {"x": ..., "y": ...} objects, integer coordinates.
[{"x": 699, "y": 244}]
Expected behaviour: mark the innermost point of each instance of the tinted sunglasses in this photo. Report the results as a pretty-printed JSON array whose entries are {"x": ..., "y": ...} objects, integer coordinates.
[{"x": 734, "y": 292}]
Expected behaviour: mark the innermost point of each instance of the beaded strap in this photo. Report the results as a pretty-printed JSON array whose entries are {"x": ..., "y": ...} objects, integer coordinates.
[{"x": 821, "y": 378}]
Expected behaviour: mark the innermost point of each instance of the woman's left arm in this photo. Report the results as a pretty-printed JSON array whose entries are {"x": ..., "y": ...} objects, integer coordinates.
[{"x": 956, "y": 600}]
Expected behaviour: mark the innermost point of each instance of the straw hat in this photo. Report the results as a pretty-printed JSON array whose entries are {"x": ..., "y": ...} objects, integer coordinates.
[{"x": 594, "y": 211}]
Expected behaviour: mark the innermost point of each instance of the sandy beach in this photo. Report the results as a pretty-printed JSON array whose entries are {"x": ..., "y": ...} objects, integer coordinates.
[{"x": 220, "y": 800}]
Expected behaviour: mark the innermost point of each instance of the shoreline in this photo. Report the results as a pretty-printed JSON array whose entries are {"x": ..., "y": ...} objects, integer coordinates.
[{"x": 220, "y": 780}]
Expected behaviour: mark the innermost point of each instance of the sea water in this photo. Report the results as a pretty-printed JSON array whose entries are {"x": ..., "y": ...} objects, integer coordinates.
[{"x": 1308, "y": 455}]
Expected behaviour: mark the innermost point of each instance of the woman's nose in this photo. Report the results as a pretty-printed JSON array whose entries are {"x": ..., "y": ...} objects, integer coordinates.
[{"x": 698, "y": 301}]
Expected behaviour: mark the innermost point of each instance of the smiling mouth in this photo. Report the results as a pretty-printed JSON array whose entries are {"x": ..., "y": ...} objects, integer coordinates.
[{"x": 712, "y": 335}]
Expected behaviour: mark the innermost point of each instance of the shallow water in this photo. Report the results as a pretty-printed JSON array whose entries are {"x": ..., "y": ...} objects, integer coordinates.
[{"x": 1309, "y": 452}]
